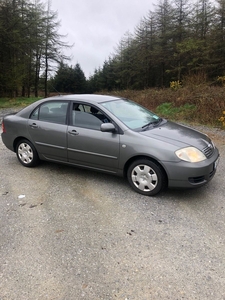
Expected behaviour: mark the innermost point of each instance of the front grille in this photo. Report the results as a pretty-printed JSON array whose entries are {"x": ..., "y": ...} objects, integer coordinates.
[{"x": 208, "y": 150}]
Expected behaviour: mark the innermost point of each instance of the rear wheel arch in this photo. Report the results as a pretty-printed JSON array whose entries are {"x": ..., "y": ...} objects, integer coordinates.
[
  {"x": 26, "y": 152},
  {"x": 16, "y": 141}
]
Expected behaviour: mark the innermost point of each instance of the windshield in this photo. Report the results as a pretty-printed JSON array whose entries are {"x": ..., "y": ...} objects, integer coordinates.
[{"x": 134, "y": 116}]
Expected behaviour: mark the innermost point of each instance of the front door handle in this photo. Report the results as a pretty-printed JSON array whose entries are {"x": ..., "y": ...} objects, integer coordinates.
[
  {"x": 73, "y": 132},
  {"x": 33, "y": 125}
]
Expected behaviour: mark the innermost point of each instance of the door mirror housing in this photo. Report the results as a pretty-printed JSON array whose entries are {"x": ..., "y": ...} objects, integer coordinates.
[{"x": 108, "y": 127}]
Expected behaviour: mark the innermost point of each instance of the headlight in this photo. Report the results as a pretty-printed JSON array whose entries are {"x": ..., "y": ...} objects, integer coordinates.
[{"x": 190, "y": 154}]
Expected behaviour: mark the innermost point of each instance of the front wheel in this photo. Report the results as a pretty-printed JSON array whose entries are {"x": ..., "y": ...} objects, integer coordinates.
[
  {"x": 27, "y": 154},
  {"x": 146, "y": 177}
]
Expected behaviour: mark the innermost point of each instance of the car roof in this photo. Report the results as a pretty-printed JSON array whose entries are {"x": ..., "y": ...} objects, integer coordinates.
[{"x": 92, "y": 98}]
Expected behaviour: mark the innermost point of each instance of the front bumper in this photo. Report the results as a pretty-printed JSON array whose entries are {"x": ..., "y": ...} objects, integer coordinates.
[{"x": 190, "y": 175}]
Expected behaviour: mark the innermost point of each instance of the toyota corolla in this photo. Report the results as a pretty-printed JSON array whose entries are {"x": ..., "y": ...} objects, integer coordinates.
[{"x": 112, "y": 135}]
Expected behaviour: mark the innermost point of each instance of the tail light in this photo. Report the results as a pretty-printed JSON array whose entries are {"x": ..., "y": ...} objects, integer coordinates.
[{"x": 3, "y": 127}]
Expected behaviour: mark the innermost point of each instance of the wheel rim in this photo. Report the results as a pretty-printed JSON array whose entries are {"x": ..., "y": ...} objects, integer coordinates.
[
  {"x": 25, "y": 153},
  {"x": 144, "y": 178}
]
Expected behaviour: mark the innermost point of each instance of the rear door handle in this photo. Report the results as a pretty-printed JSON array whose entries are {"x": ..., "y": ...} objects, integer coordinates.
[{"x": 73, "y": 132}]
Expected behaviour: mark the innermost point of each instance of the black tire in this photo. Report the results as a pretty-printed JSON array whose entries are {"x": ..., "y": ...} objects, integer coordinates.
[
  {"x": 27, "y": 154},
  {"x": 146, "y": 177}
]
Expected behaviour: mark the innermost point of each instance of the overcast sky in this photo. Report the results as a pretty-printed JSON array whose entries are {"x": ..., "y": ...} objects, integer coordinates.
[{"x": 95, "y": 27}]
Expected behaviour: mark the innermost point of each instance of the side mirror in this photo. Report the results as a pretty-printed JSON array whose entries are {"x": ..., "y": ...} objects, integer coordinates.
[{"x": 108, "y": 127}]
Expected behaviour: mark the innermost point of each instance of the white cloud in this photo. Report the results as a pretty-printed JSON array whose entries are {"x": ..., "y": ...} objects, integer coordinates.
[{"x": 95, "y": 27}]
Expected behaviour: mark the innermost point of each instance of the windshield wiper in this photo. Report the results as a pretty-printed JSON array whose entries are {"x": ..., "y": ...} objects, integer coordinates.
[{"x": 152, "y": 123}]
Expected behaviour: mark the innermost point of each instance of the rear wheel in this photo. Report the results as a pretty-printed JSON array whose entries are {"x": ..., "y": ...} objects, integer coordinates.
[
  {"x": 27, "y": 154},
  {"x": 146, "y": 177}
]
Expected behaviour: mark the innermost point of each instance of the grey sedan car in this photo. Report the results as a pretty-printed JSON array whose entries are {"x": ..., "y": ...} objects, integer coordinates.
[{"x": 113, "y": 135}]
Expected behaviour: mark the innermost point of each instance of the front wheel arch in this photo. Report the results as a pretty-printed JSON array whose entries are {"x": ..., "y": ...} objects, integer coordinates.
[{"x": 157, "y": 173}]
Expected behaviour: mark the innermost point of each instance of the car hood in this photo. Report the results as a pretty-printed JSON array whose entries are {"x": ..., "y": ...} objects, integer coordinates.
[{"x": 178, "y": 135}]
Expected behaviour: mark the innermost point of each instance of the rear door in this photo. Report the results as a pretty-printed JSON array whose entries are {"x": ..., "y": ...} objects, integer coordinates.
[{"x": 48, "y": 128}]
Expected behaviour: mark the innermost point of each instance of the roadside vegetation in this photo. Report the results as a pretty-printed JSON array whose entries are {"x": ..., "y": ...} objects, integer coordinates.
[
  {"x": 199, "y": 105},
  {"x": 16, "y": 102}
]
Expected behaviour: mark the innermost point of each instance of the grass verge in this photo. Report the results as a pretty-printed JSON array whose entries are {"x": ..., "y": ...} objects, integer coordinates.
[{"x": 16, "y": 102}]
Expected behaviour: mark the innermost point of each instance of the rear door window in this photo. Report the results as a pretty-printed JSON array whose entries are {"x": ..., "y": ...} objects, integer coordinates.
[{"x": 53, "y": 112}]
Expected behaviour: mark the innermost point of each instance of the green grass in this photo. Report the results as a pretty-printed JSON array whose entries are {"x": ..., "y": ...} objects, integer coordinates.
[
  {"x": 168, "y": 110},
  {"x": 16, "y": 102}
]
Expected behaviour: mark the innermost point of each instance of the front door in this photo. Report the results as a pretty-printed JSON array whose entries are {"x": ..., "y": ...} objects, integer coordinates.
[{"x": 88, "y": 145}]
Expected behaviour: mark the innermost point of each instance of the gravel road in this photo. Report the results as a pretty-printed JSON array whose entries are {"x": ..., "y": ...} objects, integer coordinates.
[{"x": 71, "y": 234}]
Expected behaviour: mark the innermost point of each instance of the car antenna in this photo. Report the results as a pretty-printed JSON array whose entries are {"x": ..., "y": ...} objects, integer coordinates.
[{"x": 55, "y": 90}]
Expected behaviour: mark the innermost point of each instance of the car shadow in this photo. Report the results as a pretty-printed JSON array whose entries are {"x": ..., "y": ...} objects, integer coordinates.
[{"x": 120, "y": 184}]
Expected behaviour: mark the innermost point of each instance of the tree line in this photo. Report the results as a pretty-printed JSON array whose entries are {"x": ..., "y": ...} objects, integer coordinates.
[
  {"x": 30, "y": 46},
  {"x": 180, "y": 39}
]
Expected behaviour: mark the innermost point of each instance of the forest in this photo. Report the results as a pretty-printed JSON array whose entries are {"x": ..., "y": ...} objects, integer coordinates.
[
  {"x": 30, "y": 47},
  {"x": 176, "y": 42},
  {"x": 179, "y": 41}
]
